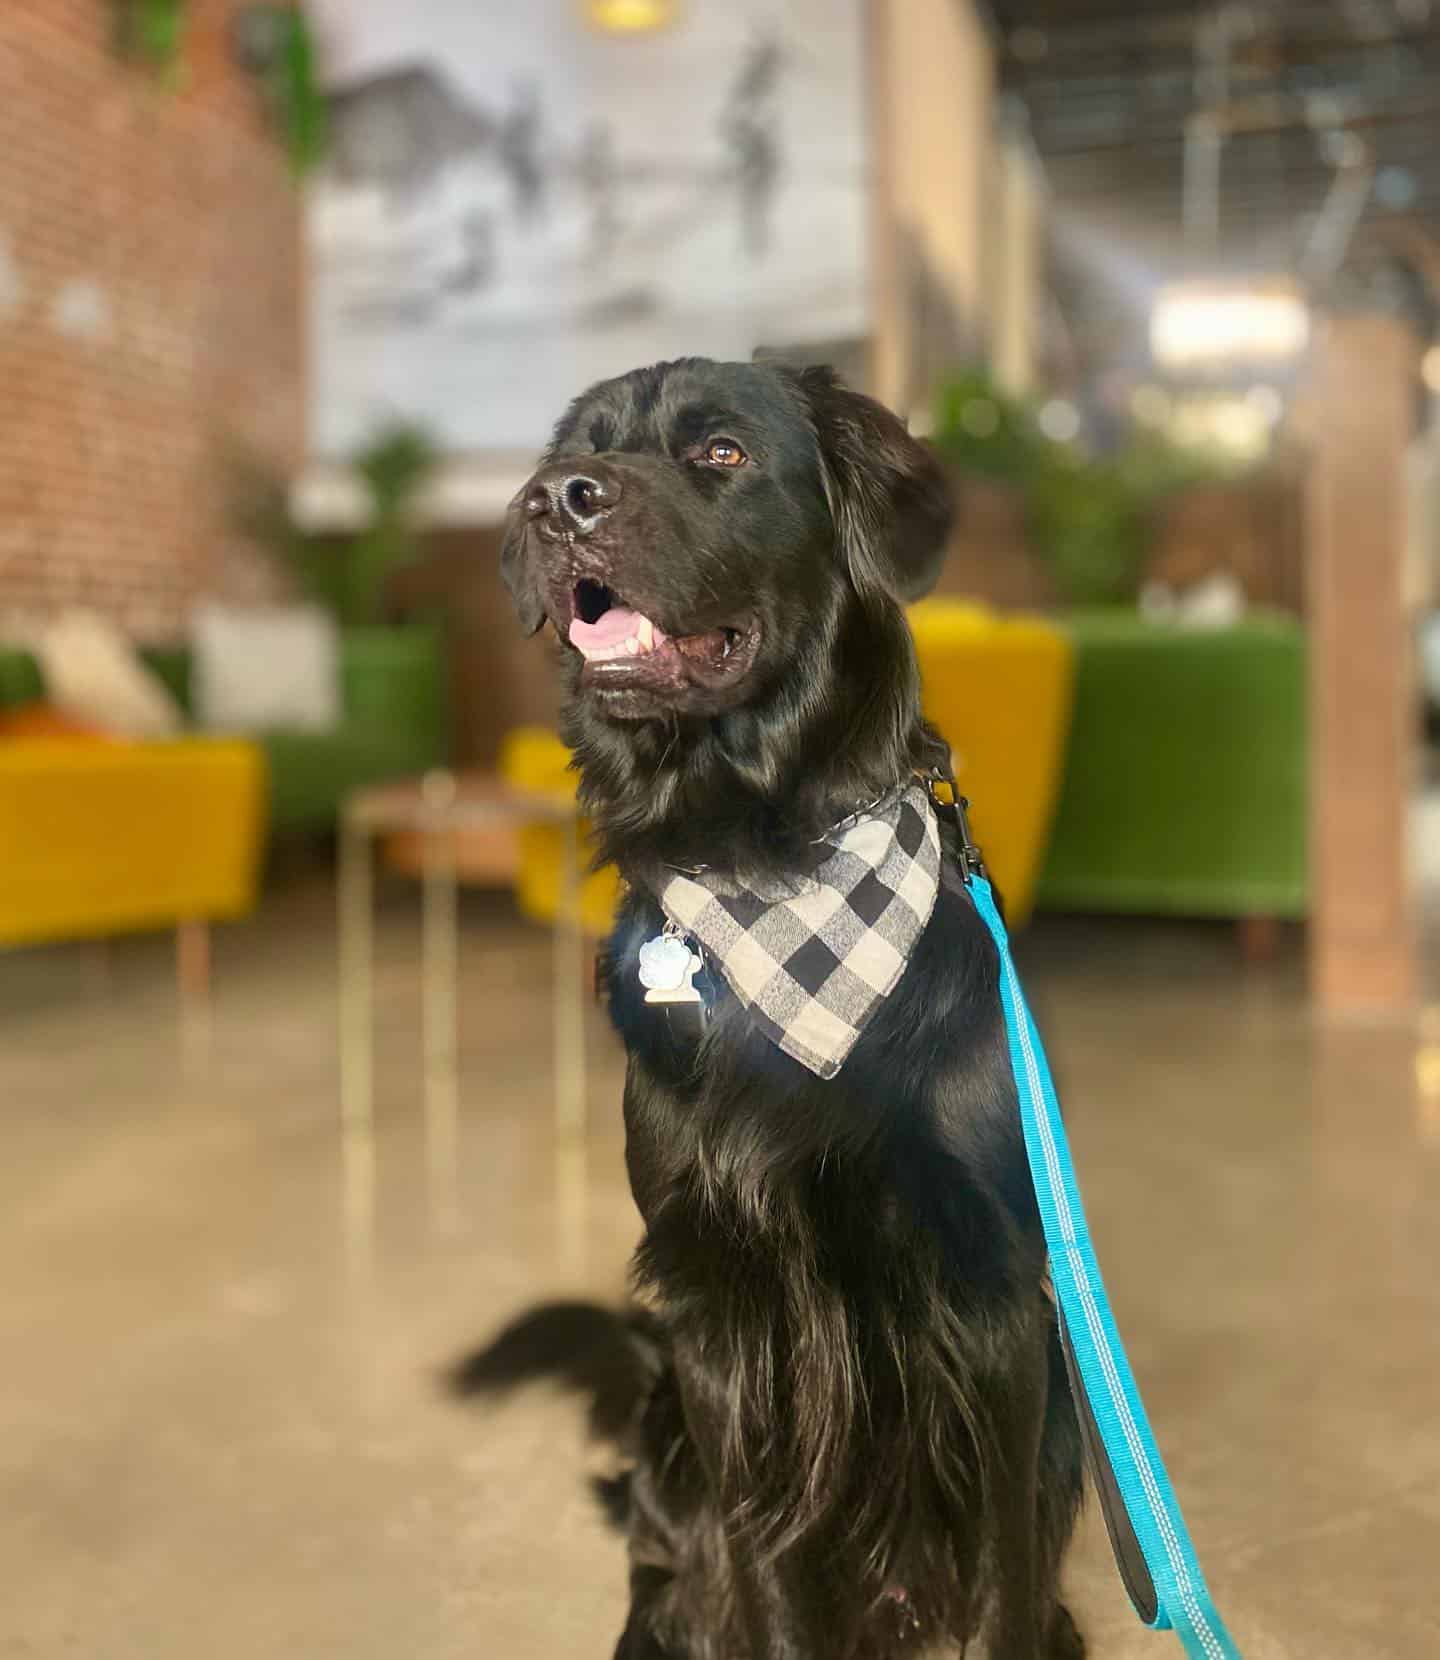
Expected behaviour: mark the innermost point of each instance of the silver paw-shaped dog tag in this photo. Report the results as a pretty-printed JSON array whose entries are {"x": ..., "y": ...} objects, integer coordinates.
[{"x": 667, "y": 970}]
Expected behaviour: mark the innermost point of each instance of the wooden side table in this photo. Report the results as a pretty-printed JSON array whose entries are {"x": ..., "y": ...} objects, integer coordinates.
[{"x": 439, "y": 810}]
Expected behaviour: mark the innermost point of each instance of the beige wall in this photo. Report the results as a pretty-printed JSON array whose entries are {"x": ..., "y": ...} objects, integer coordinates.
[
  {"x": 932, "y": 96},
  {"x": 1017, "y": 264}
]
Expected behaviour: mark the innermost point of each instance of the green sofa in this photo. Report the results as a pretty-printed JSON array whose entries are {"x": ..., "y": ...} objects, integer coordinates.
[
  {"x": 1185, "y": 775},
  {"x": 393, "y": 696}
]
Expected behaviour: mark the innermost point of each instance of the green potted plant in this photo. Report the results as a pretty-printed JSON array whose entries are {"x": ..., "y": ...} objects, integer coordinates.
[
  {"x": 1092, "y": 527},
  {"x": 274, "y": 42},
  {"x": 988, "y": 441},
  {"x": 152, "y": 32},
  {"x": 986, "y": 432},
  {"x": 393, "y": 668},
  {"x": 1091, "y": 520},
  {"x": 277, "y": 45}
]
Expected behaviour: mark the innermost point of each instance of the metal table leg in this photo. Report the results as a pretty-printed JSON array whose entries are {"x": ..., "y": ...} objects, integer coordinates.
[
  {"x": 571, "y": 1172},
  {"x": 192, "y": 962},
  {"x": 569, "y": 1035},
  {"x": 439, "y": 1018},
  {"x": 357, "y": 1211},
  {"x": 356, "y": 976}
]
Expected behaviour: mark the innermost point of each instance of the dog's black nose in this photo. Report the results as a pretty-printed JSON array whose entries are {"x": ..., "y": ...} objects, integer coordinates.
[
  {"x": 584, "y": 498},
  {"x": 576, "y": 500}
]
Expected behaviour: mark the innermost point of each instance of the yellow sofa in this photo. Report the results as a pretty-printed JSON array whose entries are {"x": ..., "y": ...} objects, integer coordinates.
[
  {"x": 998, "y": 687},
  {"x": 100, "y": 838}
]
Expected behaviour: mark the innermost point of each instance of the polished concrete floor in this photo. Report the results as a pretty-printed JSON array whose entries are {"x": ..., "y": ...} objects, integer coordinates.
[{"x": 221, "y": 1321}]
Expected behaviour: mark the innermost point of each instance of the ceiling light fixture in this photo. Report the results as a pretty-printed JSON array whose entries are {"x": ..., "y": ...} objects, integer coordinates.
[
  {"x": 631, "y": 17},
  {"x": 1215, "y": 326}
]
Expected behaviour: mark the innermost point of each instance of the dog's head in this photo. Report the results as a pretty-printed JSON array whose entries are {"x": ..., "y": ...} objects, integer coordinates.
[{"x": 696, "y": 528}]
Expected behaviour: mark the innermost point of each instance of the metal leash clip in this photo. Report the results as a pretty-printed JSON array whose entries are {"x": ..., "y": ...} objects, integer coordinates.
[{"x": 956, "y": 808}]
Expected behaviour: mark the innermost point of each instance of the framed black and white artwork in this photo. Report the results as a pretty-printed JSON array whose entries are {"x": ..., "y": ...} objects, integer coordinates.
[{"x": 516, "y": 203}]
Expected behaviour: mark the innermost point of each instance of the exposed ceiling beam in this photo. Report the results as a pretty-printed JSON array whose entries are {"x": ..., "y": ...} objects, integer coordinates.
[
  {"x": 1063, "y": 136},
  {"x": 1070, "y": 25},
  {"x": 1138, "y": 76},
  {"x": 1110, "y": 91},
  {"x": 1065, "y": 57}
]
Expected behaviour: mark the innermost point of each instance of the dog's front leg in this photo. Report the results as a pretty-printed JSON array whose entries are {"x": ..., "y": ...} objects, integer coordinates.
[
  {"x": 782, "y": 1610},
  {"x": 1024, "y": 1605}
]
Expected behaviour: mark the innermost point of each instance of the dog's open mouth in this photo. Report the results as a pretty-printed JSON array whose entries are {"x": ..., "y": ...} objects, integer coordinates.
[{"x": 622, "y": 646}]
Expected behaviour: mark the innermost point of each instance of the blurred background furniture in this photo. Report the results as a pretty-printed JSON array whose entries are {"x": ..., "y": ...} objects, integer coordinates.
[
  {"x": 439, "y": 810},
  {"x": 1184, "y": 786},
  {"x": 999, "y": 688},
  {"x": 100, "y": 838},
  {"x": 393, "y": 720},
  {"x": 534, "y": 759}
]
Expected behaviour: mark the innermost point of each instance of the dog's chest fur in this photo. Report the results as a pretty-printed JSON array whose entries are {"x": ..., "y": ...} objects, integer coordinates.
[{"x": 852, "y": 1257}]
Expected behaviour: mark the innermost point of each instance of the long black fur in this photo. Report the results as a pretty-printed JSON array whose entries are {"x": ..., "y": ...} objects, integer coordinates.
[{"x": 848, "y": 1421}]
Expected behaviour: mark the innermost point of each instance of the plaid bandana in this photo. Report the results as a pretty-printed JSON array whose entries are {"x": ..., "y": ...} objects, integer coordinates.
[{"x": 812, "y": 958}]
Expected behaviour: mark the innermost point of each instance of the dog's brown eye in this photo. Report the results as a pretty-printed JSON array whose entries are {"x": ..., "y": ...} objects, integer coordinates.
[{"x": 725, "y": 452}]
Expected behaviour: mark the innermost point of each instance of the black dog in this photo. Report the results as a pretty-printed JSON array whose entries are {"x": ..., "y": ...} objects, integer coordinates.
[{"x": 851, "y": 1431}]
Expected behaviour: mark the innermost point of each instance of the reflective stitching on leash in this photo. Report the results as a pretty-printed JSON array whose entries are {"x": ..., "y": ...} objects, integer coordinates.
[{"x": 1079, "y": 1270}]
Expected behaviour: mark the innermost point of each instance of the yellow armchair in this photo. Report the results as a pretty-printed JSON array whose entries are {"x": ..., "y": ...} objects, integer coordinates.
[
  {"x": 1000, "y": 689},
  {"x": 99, "y": 838}
]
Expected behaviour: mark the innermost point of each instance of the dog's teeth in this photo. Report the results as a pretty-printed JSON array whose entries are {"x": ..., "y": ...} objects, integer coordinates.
[
  {"x": 632, "y": 646},
  {"x": 726, "y": 649},
  {"x": 645, "y": 634}
]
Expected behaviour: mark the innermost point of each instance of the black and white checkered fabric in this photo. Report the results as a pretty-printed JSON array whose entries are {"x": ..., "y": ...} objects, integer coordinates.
[{"x": 813, "y": 960}]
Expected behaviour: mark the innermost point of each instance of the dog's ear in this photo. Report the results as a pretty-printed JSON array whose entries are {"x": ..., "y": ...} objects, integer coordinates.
[
  {"x": 517, "y": 570},
  {"x": 888, "y": 493}
]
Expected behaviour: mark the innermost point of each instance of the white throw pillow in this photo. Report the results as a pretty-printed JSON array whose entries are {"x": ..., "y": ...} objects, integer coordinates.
[
  {"x": 276, "y": 669},
  {"x": 93, "y": 674}
]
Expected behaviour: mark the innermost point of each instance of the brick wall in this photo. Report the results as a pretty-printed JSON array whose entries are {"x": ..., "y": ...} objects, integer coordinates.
[{"x": 149, "y": 313}]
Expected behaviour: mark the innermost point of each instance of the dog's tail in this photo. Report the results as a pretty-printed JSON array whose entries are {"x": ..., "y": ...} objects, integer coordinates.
[{"x": 609, "y": 1357}]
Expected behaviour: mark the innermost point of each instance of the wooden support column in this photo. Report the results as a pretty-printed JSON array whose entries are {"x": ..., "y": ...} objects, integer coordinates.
[
  {"x": 930, "y": 69},
  {"x": 1362, "y": 708}
]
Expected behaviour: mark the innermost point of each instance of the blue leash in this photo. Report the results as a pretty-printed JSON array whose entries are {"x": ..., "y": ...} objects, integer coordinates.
[{"x": 1152, "y": 1547}]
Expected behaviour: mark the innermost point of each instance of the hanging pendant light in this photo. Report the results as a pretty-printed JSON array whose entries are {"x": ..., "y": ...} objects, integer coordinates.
[
  {"x": 631, "y": 17},
  {"x": 1227, "y": 325}
]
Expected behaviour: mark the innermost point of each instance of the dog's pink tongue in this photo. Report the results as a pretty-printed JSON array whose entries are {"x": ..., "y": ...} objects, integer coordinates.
[{"x": 616, "y": 625}]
